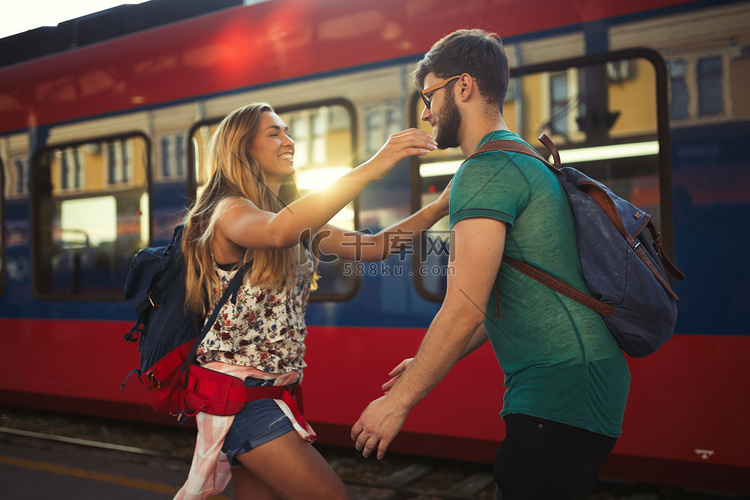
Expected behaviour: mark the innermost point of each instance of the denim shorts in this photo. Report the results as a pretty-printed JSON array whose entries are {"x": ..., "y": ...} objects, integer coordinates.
[{"x": 259, "y": 422}]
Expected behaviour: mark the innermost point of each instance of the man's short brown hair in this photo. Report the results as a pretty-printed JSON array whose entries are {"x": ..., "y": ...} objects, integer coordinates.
[{"x": 476, "y": 52}]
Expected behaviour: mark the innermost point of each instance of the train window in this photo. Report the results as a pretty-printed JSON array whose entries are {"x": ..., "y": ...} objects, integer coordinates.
[
  {"x": 380, "y": 124},
  {"x": 16, "y": 177},
  {"x": 710, "y": 89},
  {"x": 326, "y": 134},
  {"x": 172, "y": 157},
  {"x": 90, "y": 215},
  {"x": 324, "y": 150},
  {"x": 2, "y": 226},
  {"x": 14, "y": 225},
  {"x": 602, "y": 116},
  {"x": 697, "y": 86},
  {"x": 559, "y": 106},
  {"x": 679, "y": 90}
]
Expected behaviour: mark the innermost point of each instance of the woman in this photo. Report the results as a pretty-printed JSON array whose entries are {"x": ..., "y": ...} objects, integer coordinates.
[{"x": 250, "y": 212}]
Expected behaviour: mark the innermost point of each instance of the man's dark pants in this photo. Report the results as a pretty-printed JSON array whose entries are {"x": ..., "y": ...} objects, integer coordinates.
[{"x": 542, "y": 459}]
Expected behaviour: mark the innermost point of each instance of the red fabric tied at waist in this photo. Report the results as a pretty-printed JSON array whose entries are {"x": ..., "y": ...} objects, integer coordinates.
[{"x": 217, "y": 393}]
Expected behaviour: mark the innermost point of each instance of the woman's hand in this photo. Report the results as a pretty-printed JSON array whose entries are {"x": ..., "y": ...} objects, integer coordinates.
[{"x": 411, "y": 142}]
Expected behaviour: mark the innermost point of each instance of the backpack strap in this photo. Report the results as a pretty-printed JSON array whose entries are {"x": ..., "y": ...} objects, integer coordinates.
[
  {"x": 547, "y": 279},
  {"x": 173, "y": 271},
  {"x": 559, "y": 286},
  {"x": 519, "y": 147},
  {"x": 232, "y": 289},
  {"x": 530, "y": 270},
  {"x": 665, "y": 260}
]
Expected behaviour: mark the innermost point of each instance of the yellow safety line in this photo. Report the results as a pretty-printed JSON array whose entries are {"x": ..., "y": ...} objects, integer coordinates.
[{"x": 94, "y": 476}]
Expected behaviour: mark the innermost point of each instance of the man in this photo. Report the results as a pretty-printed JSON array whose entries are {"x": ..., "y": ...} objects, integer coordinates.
[{"x": 567, "y": 380}]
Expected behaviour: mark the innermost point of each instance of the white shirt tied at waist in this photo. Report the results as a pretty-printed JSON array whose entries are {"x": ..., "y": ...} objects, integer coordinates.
[{"x": 210, "y": 471}]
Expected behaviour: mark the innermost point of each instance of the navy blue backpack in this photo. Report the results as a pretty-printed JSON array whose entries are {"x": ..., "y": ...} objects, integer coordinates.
[
  {"x": 622, "y": 266},
  {"x": 167, "y": 333},
  {"x": 157, "y": 278}
]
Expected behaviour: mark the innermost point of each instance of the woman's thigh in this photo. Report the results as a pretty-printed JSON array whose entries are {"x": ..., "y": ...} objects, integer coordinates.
[
  {"x": 259, "y": 422},
  {"x": 292, "y": 468}
]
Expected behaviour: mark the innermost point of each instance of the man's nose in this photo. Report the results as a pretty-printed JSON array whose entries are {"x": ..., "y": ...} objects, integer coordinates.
[{"x": 426, "y": 114}]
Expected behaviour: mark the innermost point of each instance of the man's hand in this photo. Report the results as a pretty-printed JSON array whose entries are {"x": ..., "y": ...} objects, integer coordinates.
[{"x": 378, "y": 426}]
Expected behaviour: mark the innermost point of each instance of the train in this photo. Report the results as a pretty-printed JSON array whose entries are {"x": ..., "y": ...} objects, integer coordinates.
[{"x": 102, "y": 139}]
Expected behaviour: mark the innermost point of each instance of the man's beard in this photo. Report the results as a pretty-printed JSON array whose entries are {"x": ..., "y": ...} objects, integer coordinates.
[{"x": 447, "y": 136}]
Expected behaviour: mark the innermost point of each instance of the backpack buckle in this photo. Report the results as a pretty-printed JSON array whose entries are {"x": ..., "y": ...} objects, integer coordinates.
[{"x": 155, "y": 384}]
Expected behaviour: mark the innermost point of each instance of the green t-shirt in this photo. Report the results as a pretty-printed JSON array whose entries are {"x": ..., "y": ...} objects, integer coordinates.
[{"x": 560, "y": 361}]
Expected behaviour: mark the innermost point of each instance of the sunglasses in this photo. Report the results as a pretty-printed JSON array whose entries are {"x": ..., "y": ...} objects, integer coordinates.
[{"x": 426, "y": 94}]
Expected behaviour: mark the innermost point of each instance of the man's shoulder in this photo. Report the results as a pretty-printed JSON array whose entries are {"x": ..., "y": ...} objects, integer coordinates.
[{"x": 502, "y": 156}]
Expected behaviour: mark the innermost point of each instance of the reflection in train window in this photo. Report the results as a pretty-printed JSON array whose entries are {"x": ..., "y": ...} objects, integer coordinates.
[
  {"x": 16, "y": 177},
  {"x": 172, "y": 156},
  {"x": 602, "y": 118},
  {"x": 323, "y": 151},
  {"x": 14, "y": 227},
  {"x": 559, "y": 106},
  {"x": 679, "y": 89},
  {"x": 91, "y": 214},
  {"x": 697, "y": 87},
  {"x": 2, "y": 226},
  {"x": 710, "y": 90}
]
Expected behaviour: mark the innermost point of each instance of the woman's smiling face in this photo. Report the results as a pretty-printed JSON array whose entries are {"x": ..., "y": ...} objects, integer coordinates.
[{"x": 273, "y": 149}]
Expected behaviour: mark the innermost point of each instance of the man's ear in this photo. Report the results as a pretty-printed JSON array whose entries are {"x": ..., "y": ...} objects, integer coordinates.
[{"x": 467, "y": 86}]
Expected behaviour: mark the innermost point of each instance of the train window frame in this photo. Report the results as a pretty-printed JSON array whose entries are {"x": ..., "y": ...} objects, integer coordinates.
[
  {"x": 192, "y": 182},
  {"x": 664, "y": 160},
  {"x": 35, "y": 186}
]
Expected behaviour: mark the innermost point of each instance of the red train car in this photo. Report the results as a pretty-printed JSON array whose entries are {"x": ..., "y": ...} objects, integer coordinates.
[{"x": 101, "y": 148}]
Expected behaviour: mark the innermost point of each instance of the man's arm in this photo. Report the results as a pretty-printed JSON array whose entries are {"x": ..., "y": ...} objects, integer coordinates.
[
  {"x": 477, "y": 340},
  {"x": 476, "y": 253}
]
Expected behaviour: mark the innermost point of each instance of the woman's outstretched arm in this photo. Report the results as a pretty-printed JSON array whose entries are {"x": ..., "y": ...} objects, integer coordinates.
[
  {"x": 247, "y": 226},
  {"x": 358, "y": 246}
]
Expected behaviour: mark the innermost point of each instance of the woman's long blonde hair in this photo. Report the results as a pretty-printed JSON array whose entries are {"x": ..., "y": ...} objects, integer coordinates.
[{"x": 232, "y": 173}]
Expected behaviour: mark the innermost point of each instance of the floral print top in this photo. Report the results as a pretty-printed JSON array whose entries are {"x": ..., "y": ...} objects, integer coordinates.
[{"x": 264, "y": 329}]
